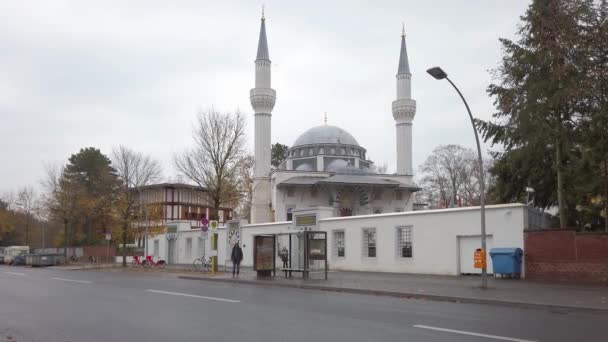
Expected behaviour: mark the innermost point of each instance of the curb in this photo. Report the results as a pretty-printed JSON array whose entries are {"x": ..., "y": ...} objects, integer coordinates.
[{"x": 409, "y": 295}]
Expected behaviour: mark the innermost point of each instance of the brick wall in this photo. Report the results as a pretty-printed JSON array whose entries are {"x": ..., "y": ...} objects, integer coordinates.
[{"x": 566, "y": 255}]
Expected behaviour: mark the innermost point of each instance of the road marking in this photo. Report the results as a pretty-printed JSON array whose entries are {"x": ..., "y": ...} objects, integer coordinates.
[
  {"x": 195, "y": 296},
  {"x": 16, "y": 273},
  {"x": 74, "y": 280},
  {"x": 472, "y": 333}
]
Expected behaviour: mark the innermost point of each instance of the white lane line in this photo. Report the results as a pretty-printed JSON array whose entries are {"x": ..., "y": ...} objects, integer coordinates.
[
  {"x": 16, "y": 273},
  {"x": 74, "y": 280},
  {"x": 461, "y": 332},
  {"x": 195, "y": 296}
]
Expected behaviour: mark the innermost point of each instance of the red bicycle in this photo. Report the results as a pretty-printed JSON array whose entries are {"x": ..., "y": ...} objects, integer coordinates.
[
  {"x": 138, "y": 263},
  {"x": 151, "y": 263}
]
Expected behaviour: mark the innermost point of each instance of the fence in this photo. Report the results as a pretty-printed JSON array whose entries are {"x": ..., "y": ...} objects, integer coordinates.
[
  {"x": 538, "y": 219},
  {"x": 100, "y": 253}
]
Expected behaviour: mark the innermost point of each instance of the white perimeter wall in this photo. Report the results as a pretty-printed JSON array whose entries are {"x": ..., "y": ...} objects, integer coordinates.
[{"x": 434, "y": 237}]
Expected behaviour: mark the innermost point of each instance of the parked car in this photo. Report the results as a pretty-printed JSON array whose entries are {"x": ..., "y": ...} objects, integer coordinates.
[{"x": 18, "y": 260}]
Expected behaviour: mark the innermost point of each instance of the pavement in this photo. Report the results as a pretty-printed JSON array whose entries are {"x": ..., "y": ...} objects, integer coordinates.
[
  {"x": 509, "y": 292},
  {"x": 47, "y": 304}
]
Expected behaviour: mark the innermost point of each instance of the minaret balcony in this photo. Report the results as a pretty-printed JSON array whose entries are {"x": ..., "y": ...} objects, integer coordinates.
[
  {"x": 262, "y": 100},
  {"x": 404, "y": 110}
]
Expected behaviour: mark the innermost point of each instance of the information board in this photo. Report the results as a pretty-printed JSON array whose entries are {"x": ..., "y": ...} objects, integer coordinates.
[{"x": 264, "y": 253}]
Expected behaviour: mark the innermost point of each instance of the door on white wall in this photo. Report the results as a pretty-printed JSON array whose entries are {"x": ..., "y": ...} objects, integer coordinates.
[
  {"x": 171, "y": 251},
  {"x": 467, "y": 247}
]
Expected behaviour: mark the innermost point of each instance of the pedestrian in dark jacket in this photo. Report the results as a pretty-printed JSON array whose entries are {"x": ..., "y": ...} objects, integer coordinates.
[{"x": 236, "y": 257}]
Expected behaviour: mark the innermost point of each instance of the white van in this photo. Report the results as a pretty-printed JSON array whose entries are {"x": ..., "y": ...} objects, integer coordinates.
[{"x": 11, "y": 252}]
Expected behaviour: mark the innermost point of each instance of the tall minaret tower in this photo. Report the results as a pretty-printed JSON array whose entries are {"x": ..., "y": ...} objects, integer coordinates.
[
  {"x": 404, "y": 109},
  {"x": 262, "y": 100}
]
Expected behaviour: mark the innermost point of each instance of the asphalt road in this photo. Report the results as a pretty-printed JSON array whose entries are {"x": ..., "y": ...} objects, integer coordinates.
[{"x": 71, "y": 306}]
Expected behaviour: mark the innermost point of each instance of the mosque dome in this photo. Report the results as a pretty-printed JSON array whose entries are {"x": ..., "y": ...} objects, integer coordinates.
[{"x": 326, "y": 134}]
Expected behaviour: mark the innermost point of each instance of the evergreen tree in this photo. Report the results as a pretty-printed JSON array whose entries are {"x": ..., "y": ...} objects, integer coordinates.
[{"x": 537, "y": 95}]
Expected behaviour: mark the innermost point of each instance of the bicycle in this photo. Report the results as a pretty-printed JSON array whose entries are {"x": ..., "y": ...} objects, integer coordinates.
[
  {"x": 74, "y": 259},
  {"x": 137, "y": 262},
  {"x": 201, "y": 264},
  {"x": 149, "y": 262}
]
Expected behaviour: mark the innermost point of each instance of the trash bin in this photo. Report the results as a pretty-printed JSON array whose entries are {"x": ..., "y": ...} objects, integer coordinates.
[{"x": 507, "y": 261}]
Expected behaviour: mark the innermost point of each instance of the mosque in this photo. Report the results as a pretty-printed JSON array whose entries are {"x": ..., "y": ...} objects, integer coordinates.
[{"x": 326, "y": 166}]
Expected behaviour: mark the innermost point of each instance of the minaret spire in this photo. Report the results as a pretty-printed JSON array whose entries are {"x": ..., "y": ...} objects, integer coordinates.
[
  {"x": 262, "y": 41},
  {"x": 404, "y": 64}
]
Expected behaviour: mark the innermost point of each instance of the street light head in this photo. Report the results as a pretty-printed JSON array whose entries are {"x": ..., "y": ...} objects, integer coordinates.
[{"x": 437, "y": 72}]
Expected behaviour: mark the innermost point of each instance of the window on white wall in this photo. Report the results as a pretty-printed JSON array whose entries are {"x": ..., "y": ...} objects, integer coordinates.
[
  {"x": 201, "y": 247},
  {"x": 339, "y": 246},
  {"x": 404, "y": 242},
  {"x": 369, "y": 242},
  {"x": 156, "y": 250},
  {"x": 188, "y": 248},
  {"x": 289, "y": 216}
]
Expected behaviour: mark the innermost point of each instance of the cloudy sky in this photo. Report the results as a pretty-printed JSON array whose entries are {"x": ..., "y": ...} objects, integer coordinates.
[{"x": 102, "y": 73}]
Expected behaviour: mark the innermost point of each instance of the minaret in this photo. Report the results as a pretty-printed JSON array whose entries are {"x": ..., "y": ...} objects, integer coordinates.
[
  {"x": 404, "y": 109},
  {"x": 262, "y": 100}
]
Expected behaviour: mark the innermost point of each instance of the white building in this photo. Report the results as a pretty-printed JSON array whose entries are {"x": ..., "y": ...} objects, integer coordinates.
[{"x": 326, "y": 166}]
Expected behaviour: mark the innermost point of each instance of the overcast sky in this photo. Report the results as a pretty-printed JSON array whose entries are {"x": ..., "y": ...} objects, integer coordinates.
[{"x": 101, "y": 73}]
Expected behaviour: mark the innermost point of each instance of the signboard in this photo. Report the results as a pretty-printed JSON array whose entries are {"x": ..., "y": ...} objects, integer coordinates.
[
  {"x": 234, "y": 232},
  {"x": 306, "y": 220},
  {"x": 108, "y": 237},
  {"x": 213, "y": 226},
  {"x": 264, "y": 253},
  {"x": 204, "y": 234},
  {"x": 479, "y": 258},
  {"x": 316, "y": 249}
]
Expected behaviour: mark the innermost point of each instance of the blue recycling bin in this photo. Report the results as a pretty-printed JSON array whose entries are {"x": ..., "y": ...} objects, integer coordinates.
[{"x": 507, "y": 261}]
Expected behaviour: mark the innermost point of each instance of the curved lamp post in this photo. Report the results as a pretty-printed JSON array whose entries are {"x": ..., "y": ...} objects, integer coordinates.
[{"x": 439, "y": 74}]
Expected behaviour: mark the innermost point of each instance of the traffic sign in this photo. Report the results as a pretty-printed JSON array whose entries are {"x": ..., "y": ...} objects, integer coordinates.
[
  {"x": 213, "y": 225},
  {"x": 204, "y": 224},
  {"x": 108, "y": 237}
]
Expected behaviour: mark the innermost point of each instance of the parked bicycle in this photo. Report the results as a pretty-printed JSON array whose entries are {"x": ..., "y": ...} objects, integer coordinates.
[
  {"x": 149, "y": 262},
  {"x": 136, "y": 263},
  {"x": 201, "y": 264}
]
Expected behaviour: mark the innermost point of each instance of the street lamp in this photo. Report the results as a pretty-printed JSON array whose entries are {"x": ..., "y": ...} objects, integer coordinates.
[{"x": 439, "y": 74}]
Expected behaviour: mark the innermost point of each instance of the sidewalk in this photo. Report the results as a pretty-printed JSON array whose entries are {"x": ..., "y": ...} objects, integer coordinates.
[{"x": 520, "y": 293}]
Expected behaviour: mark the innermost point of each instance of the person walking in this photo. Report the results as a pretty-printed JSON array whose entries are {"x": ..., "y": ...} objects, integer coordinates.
[{"x": 236, "y": 257}]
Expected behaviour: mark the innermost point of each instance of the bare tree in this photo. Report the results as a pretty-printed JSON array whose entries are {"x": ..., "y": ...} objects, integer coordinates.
[
  {"x": 380, "y": 169},
  {"x": 135, "y": 170},
  {"x": 26, "y": 198},
  {"x": 243, "y": 195},
  {"x": 214, "y": 161},
  {"x": 446, "y": 171}
]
